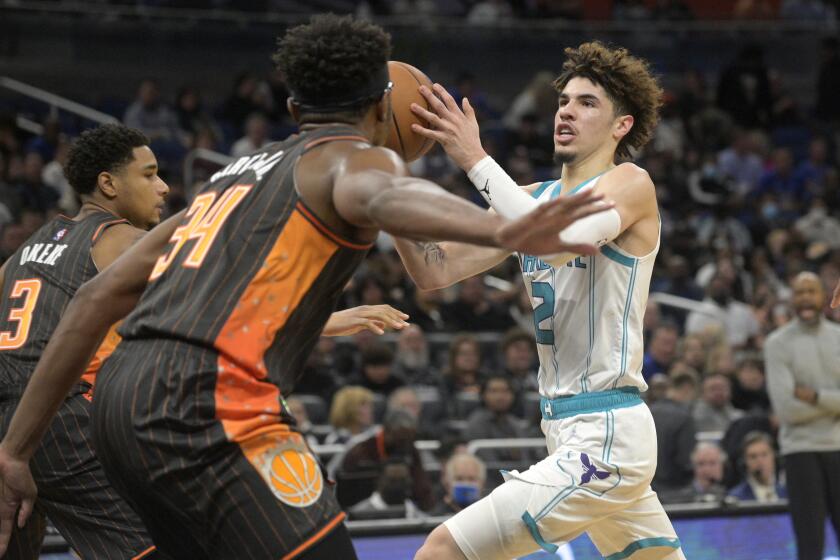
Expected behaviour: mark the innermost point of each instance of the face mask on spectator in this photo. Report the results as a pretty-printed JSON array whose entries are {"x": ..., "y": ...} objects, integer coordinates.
[{"x": 464, "y": 493}]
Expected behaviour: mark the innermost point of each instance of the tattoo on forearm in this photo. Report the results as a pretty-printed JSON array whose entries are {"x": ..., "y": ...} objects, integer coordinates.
[{"x": 432, "y": 252}]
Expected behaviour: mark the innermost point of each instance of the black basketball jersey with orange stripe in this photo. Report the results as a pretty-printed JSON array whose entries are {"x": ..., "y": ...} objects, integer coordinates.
[
  {"x": 251, "y": 273},
  {"x": 39, "y": 282}
]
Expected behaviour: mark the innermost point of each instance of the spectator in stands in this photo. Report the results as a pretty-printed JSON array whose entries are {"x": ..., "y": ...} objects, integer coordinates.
[
  {"x": 539, "y": 98},
  {"x": 744, "y": 88},
  {"x": 351, "y": 413},
  {"x": 407, "y": 400},
  {"x": 707, "y": 460},
  {"x": 425, "y": 309},
  {"x": 493, "y": 419},
  {"x": 661, "y": 351},
  {"x": 818, "y": 226},
  {"x": 807, "y": 10},
  {"x": 30, "y": 190},
  {"x": 359, "y": 468},
  {"x": 518, "y": 360},
  {"x": 672, "y": 10},
  {"x": 758, "y": 461},
  {"x": 692, "y": 352},
  {"x": 318, "y": 376},
  {"x": 814, "y": 171},
  {"x": 781, "y": 181},
  {"x": 53, "y": 177},
  {"x": 463, "y": 372},
  {"x": 193, "y": 119},
  {"x": 741, "y": 163},
  {"x": 377, "y": 372},
  {"x": 675, "y": 434},
  {"x": 392, "y": 495},
  {"x": 12, "y": 236},
  {"x": 748, "y": 388},
  {"x": 302, "y": 422},
  {"x": 828, "y": 81},
  {"x": 256, "y": 136},
  {"x": 714, "y": 411},
  {"x": 485, "y": 12},
  {"x": 151, "y": 115},
  {"x": 804, "y": 385},
  {"x": 242, "y": 101},
  {"x": 473, "y": 310},
  {"x": 414, "y": 363},
  {"x": 720, "y": 309},
  {"x": 47, "y": 142},
  {"x": 463, "y": 479}
]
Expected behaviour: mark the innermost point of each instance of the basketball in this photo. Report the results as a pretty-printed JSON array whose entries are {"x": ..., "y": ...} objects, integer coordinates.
[{"x": 401, "y": 138}]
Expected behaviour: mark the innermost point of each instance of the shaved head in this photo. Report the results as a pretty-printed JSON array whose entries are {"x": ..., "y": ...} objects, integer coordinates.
[{"x": 808, "y": 297}]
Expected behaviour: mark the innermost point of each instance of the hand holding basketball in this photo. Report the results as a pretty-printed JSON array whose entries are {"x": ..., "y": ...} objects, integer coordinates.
[
  {"x": 456, "y": 129},
  {"x": 401, "y": 138}
]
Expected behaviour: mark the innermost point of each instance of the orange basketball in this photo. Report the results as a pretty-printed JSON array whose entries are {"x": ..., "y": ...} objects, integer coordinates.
[{"x": 407, "y": 79}]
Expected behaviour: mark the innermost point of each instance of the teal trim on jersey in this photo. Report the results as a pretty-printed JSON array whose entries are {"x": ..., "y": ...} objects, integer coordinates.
[
  {"x": 628, "y": 302},
  {"x": 559, "y": 187},
  {"x": 614, "y": 255},
  {"x": 535, "y": 534},
  {"x": 588, "y": 403},
  {"x": 583, "y": 380},
  {"x": 611, "y": 416},
  {"x": 541, "y": 189},
  {"x": 644, "y": 543}
]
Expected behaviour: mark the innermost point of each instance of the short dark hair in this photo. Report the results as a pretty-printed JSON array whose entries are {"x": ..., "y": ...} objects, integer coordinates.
[
  {"x": 333, "y": 54},
  {"x": 377, "y": 355},
  {"x": 514, "y": 335},
  {"x": 106, "y": 148},
  {"x": 485, "y": 384},
  {"x": 628, "y": 82}
]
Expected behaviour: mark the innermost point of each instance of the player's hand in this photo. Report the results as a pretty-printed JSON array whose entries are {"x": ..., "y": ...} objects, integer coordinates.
[
  {"x": 454, "y": 128},
  {"x": 375, "y": 318},
  {"x": 17, "y": 496},
  {"x": 835, "y": 299},
  {"x": 538, "y": 231}
]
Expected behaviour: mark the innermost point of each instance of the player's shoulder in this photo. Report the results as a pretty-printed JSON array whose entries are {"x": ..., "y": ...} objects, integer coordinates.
[
  {"x": 113, "y": 242},
  {"x": 366, "y": 157},
  {"x": 629, "y": 175}
]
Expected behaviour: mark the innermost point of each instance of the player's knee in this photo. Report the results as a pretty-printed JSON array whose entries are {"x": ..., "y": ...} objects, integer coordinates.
[{"x": 440, "y": 545}]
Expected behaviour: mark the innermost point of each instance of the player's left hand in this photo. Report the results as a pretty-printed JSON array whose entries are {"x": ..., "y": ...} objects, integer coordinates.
[
  {"x": 453, "y": 127},
  {"x": 835, "y": 299},
  {"x": 375, "y": 318},
  {"x": 538, "y": 231},
  {"x": 17, "y": 496}
]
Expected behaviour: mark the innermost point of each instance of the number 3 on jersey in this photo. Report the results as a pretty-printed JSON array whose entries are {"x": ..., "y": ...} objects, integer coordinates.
[
  {"x": 28, "y": 290},
  {"x": 207, "y": 215},
  {"x": 543, "y": 311}
]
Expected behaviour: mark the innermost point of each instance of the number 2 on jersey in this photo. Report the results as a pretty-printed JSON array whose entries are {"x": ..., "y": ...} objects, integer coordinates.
[
  {"x": 543, "y": 311},
  {"x": 207, "y": 215},
  {"x": 28, "y": 290}
]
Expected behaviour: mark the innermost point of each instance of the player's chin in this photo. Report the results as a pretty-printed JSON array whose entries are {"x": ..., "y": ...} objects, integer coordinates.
[{"x": 562, "y": 155}]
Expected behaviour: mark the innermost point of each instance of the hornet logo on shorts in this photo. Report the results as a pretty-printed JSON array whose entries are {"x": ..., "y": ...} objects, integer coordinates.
[{"x": 589, "y": 470}]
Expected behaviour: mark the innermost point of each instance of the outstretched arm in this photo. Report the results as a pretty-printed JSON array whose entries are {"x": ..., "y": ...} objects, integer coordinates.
[{"x": 99, "y": 303}]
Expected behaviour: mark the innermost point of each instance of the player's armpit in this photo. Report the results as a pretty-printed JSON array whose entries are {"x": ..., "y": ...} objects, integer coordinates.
[
  {"x": 98, "y": 304},
  {"x": 113, "y": 242}
]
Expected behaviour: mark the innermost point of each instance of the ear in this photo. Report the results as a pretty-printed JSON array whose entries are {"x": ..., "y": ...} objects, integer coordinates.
[
  {"x": 294, "y": 109},
  {"x": 383, "y": 108},
  {"x": 105, "y": 183},
  {"x": 622, "y": 126}
]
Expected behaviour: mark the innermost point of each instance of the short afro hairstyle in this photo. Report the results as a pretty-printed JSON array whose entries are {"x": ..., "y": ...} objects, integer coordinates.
[
  {"x": 628, "y": 82},
  {"x": 105, "y": 148},
  {"x": 332, "y": 53}
]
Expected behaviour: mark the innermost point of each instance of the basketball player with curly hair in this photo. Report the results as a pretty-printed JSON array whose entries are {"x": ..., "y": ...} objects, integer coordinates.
[
  {"x": 587, "y": 316},
  {"x": 228, "y": 298}
]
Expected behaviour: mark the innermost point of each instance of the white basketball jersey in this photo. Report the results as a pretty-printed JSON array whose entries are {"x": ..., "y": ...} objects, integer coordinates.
[{"x": 588, "y": 315}]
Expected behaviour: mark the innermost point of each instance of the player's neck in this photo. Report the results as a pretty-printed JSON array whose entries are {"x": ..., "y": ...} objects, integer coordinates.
[
  {"x": 577, "y": 172},
  {"x": 92, "y": 205},
  {"x": 361, "y": 126}
]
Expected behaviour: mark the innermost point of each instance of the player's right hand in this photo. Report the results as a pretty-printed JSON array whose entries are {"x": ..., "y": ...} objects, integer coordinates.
[
  {"x": 538, "y": 231},
  {"x": 17, "y": 495}
]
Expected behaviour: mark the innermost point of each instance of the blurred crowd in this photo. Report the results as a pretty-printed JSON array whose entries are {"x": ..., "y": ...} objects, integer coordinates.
[{"x": 749, "y": 194}]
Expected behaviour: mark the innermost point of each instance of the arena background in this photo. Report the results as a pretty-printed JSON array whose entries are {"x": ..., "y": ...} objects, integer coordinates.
[{"x": 757, "y": 78}]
